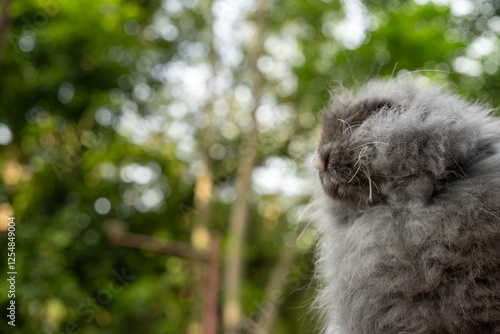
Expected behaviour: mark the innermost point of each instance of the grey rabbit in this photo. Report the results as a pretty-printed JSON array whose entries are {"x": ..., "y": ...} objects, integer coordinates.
[{"x": 408, "y": 212}]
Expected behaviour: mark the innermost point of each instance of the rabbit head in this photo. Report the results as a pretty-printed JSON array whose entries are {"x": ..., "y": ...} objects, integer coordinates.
[{"x": 394, "y": 143}]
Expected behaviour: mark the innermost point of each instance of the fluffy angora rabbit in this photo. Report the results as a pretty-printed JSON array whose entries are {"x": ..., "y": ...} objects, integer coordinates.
[{"x": 408, "y": 213}]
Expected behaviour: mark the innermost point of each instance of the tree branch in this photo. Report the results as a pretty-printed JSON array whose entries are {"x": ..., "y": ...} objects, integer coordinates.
[{"x": 118, "y": 236}]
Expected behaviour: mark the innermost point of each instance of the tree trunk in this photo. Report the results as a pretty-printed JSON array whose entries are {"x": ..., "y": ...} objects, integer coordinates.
[
  {"x": 238, "y": 221},
  {"x": 236, "y": 238},
  {"x": 211, "y": 294},
  {"x": 4, "y": 26},
  {"x": 203, "y": 193}
]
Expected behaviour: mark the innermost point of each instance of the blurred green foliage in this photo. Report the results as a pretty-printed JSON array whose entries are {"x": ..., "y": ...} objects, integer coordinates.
[{"x": 104, "y": 101}]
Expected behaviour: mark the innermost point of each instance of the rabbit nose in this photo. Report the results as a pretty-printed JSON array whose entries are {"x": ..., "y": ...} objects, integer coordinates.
[{"x": 319, "y": 163}]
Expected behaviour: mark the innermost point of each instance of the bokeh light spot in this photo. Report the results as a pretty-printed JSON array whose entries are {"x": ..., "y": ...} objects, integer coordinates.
[
  {"x": 90, "y": 237},
  {"x": 66, "y": 93},
  {"x": 102, "y": 206},
  {"x": 132, "y": 27},
  {"x": 5, "y": 134},
  {"x": 26, "y": 43},
  {"x": 6, "y": 211}
]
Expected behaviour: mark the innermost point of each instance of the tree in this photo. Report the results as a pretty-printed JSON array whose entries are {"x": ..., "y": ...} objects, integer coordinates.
[{"x": 183, "y": 118}]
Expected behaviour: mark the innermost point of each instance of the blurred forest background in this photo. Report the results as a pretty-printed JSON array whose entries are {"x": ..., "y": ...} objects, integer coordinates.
[{"x": 190, "y": 121}]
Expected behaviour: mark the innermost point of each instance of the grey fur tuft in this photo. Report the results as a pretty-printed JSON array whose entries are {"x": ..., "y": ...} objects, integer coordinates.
[{"x": 408, "y": 213}]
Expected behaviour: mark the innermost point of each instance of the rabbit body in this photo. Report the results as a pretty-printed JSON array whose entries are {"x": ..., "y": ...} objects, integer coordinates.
[{"x": 408, "y": 213}]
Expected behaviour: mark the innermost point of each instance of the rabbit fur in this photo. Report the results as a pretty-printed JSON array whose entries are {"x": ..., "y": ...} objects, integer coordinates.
[{"x": 408, "y": 212}]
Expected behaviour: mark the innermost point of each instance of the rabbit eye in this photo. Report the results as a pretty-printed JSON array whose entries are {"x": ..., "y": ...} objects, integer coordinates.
[
  {"x": 382, "y": 105},
  {"x": 374, "y": 106}
]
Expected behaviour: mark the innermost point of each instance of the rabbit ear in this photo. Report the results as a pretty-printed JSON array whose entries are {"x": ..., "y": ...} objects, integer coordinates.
[{"x": 422, "y": 140}]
